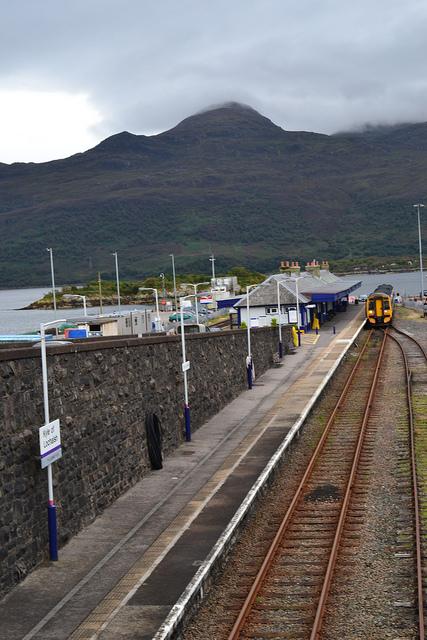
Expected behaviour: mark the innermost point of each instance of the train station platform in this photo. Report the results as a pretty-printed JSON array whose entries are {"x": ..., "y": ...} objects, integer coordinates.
[{"x": 124, "y": 576}]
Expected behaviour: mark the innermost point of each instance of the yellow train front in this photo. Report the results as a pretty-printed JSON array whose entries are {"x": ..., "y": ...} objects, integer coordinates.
[{"x": 379, "y": 306}]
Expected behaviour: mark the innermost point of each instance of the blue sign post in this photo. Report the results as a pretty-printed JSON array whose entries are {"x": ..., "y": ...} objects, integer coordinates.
[{"x": 50, "y": 445}]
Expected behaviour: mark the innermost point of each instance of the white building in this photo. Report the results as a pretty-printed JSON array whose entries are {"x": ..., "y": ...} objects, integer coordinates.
[
  {"x": 320, "y": 293},
  {"x": 133, "y": 323}
]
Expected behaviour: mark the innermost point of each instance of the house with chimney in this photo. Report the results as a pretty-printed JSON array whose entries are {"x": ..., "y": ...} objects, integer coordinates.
[{"x": 314, "y": 292}]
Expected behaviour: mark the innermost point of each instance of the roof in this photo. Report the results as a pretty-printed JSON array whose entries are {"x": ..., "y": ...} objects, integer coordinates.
[
  {"x": 326, "y": 287},
  {"x": 94, "y": 320},
  {"x": 104, "y": 318},
  {"x": 327, "y": 276},
  {"x": 332, "y": 292},
  {"x": 266, "y": 294}
]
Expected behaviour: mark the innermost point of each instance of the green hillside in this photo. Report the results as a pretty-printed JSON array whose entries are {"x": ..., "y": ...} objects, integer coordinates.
[{"x": 226, "y": 180}]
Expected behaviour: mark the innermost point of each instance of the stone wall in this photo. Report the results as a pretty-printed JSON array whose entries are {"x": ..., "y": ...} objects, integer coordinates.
[{"x": 101, "y": 393}]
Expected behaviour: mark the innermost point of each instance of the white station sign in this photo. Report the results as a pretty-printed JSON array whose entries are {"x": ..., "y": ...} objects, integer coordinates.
[
  {"x": 50, "y": 443},
  {"x": 292, "y": 315}
]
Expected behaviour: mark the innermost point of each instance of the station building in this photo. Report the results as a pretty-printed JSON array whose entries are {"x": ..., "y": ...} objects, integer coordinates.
[
  {"x": 320, "y": 294},
  {"x": 134, "y": 323}
]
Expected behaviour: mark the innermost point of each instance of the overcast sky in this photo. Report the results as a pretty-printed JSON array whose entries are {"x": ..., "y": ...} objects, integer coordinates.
[{"x": 75, "y": 72}]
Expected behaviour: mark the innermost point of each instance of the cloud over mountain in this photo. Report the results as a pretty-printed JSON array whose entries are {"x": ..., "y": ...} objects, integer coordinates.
[{"x": 143, "y": 66}]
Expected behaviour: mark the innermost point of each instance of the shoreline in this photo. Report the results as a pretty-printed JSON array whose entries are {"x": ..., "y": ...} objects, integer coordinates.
[
  {"x": 48, "y": 287},
  {"x": 91, "y": 304}
]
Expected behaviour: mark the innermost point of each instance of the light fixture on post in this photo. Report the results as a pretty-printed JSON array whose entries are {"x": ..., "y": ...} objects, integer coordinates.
[
  {"x": 156, "y": 295},
  {"x": 52, "y": 273},
  {"x": 249, "y": 359},
  {"x": 280, "y": 323},
  {"x": 100, "y": 292},
  {"x": 212, "y": 260},
  {"x": 52, "y": 453},
  {"x": 298, "y": 310},
  {"x": 117, "y": 278},
  {"x": 163, "y": 279},
  {"x": 197, "y": 284},
  {"x": 185, "y": 366},
  {"x": 417, "y": 207},
  {"x": 174, "y": 281},
  {"x": 75, "y": 296}
]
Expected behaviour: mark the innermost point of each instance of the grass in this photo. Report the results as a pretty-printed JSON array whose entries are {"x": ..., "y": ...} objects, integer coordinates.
[{"x": 406, "y": 313}]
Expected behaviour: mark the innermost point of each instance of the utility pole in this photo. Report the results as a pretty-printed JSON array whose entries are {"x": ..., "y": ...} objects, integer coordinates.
[
  {"x": 212, "y": 259},
  {"x": 417, "y": 207},
  {"x": 117, "y": 279},
  {"x": 174, "y": 281},
  {"x": 100, "y": 292},
  {"x": 52, "y": 273}
]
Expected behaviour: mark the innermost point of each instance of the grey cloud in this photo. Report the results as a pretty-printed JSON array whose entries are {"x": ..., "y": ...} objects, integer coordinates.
[{"x": 145, "y": 65}]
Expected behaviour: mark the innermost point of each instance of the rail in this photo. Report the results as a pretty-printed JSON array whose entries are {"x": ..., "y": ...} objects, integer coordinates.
[
  {"x": 280, "y": 535},
  {"x": 414, "y": 477}
]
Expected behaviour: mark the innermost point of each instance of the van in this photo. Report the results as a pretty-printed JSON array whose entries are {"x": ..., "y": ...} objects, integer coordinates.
[{"x": 190, "y": 327}]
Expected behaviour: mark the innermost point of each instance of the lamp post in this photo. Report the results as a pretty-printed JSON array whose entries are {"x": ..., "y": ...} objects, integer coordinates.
[
  {"x": 100, "y": 292},
  {"x": 249, "y": 361},
  {"x": 198, "y": 284},
  {"x": 162, "y": 277},
  {"x": 418, "y": 206},
  {"x": 117, "y": 278},
  {"x": 51, "y": 508},
  {"x": 174, "y": 281},
  {"x": 156, "y": 295},
  {"x": 297, "y": 299},
  {"x": 185, "y": 367},
  {"x": 280, "y": 324},
  {"x": 52, "y": 273},
  {"x": 212, "y": 260},
  {"x": 71, "y": 296}
]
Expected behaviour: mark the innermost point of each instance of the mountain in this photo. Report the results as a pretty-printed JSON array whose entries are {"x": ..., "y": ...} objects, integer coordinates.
[{"x": 226, "y": 180}]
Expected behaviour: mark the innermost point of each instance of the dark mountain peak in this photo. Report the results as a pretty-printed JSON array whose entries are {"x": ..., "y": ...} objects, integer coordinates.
[
  {"x": 123, "y": 142},
  {"x": 230, "y": 119},
  {"x": 231, "y": 107}
]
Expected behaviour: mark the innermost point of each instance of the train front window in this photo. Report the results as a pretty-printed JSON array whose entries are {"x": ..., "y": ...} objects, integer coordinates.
[
  {"x": 371, "y": 305},
  {"x": 386, "y": 304}
]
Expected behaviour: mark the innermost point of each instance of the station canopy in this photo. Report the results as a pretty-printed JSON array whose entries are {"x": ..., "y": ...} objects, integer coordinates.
[
  {"x": 331, "y": 292},
  {"x": 324, "y": 287}
]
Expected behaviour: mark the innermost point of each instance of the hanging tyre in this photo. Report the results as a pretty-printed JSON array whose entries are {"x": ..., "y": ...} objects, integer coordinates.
[{"x": 153, "y": 430}]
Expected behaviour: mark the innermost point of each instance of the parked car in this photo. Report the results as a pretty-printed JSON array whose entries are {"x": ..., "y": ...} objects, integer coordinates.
[{"x": 176, "y": 317}]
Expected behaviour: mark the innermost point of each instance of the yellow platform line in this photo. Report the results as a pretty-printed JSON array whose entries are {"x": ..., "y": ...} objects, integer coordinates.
[{"x": 309, "y": 338}]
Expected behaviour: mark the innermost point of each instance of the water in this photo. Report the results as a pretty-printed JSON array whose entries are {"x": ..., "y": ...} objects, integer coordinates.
[
  {"x": 15, "y": 320},
  {"x": 407, "y": 284}
]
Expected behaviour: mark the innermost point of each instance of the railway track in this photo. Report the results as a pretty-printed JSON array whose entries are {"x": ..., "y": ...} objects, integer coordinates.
[
  {"x": 415, "y": 361},
  {"x": 223, "y": 324},
  {"x": 288, "y": 596}
]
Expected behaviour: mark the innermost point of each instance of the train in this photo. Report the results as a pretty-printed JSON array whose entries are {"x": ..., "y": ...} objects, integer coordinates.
[{"x": 379, "y": 306}]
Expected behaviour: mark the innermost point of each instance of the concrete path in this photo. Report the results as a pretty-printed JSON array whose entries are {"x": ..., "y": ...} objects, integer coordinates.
[{"x": 121, "y": 575}]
